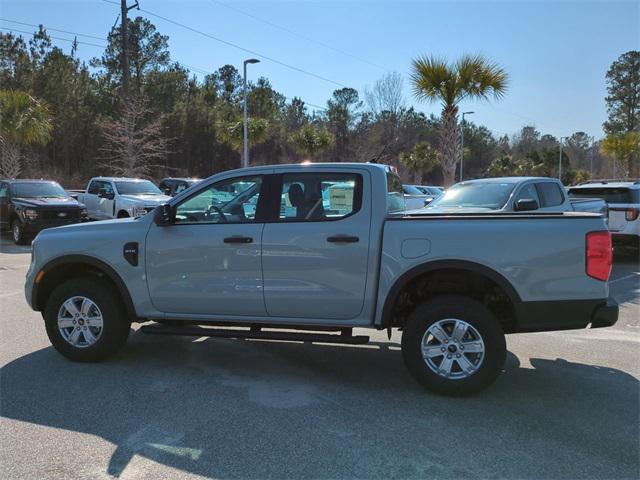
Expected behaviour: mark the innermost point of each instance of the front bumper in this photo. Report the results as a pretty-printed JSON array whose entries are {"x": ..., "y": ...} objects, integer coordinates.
[
  {"x": 605, "y": 315},
  {"x": 34, "y": 227}
]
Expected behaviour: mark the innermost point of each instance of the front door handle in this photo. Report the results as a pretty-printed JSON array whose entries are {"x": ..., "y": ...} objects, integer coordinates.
[
  {"x": 343, "y": 239},
  {"x": 238, "y": 239}
]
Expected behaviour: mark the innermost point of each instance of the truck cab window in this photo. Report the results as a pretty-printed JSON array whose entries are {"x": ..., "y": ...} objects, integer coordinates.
[
  {"x": 550, "y": 193},
  {"x": 229, "y": 201},
  {"x": 395, "y": 194},
  {"x": 317, "y": 197},
  {"x": 528, "y": 192}
]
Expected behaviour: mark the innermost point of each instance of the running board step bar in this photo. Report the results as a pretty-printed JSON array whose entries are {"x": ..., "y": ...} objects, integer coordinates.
[{"x": 255, "y": 333}]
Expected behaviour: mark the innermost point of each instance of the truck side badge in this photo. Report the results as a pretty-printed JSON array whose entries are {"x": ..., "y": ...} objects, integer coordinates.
[{"x": 130, "y": 252}]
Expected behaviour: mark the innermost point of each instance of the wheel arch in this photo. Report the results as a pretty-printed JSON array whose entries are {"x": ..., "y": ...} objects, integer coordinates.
[
  {"x": 461, "y": 267},
  {"x": 69, "y": 266}
]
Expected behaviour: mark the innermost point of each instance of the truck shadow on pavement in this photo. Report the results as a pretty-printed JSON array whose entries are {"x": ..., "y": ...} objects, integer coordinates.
[
  {"x": 251, "y": 409},
  {"x": 7, "y": 245}
]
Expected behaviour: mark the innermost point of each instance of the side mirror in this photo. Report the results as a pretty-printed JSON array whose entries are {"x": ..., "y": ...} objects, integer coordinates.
[
  {"x": 164, "y": 215},
  {"x": 526, "y": 205},
  {"x": 166, "y": 190}
]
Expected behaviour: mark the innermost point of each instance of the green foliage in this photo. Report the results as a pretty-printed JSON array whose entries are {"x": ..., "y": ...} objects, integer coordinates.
[
  {"x": 232, "y": 132},
  {"x": 310, "y": 140},
  {"x": 192, "y": 125},
  {"x": 470, "y": 77},
  {"x": 148, "y": 50},
  {"x": 623, "y": 94},
  {"x": 421, "y": 160},
  {"x": 624, "y": 148},
  {"x": 503, "y": 166},
  {"x": 24, "y": 120}
]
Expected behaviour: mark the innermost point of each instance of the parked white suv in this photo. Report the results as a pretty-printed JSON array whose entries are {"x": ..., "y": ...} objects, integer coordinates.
[{"x": 623, "y": 199}]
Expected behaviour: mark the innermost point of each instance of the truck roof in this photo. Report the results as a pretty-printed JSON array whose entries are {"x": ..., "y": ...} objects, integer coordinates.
[
  {"x": 283, "y": 166},
  {"x": 608, "y": 184},
  {"x": 508, "y": 179},
  {"x": 27, "y": 180},
  {"x": 120, "y": 179}
]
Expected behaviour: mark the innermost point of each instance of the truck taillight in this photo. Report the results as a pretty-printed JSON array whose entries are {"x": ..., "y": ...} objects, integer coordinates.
[
  {"x": 631, "y": 214},
  {"x": 599, "y": 255}
]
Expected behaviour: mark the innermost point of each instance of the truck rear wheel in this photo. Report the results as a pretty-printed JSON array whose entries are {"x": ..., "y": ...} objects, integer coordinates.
[
  {"x": 86, "y": 320},
  {"x": 453, "y": 345}
]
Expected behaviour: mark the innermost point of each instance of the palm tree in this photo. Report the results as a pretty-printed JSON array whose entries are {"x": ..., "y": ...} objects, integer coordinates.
[
  {"x": 470, "y": 77},
  {"x": 310, "y": 140},
  {"x": 232, "y": 132},
  {"x": 24, "y": 120}
]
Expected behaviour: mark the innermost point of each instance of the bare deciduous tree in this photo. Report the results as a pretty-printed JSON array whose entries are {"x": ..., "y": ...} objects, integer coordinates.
[
  {"x": 386, "y": 94},
  {"x": 10, "y": 160},
  {"x": 134, "y": 143}
]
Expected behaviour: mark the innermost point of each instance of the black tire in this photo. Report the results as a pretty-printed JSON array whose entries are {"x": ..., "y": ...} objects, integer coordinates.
[
  {"x": 17, "y": 233},
  {"x": 116, "y": 324},
  {"x": 473, "y": 313},
  {"x": 123, "y": 214}
]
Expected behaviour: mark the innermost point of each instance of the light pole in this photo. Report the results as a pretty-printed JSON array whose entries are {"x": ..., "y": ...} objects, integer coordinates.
[
  {"x": 462, "y": 142},
  {"x": 560, "y": 159},
  {"x": 245, "y": 156}
]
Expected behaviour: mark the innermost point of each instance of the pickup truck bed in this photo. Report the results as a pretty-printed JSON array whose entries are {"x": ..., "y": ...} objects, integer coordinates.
[{"x": 267, "y": 247}]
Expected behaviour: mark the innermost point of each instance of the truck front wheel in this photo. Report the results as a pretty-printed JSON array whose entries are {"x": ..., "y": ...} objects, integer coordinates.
[
  {"x": 453, "y": 345},
  {"x": 86, "y": 320},
  {"x": 17, "y": 232}
]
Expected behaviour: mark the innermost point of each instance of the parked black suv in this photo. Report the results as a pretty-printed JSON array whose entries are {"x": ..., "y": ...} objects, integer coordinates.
[
  {"x": 172, "y": 186},
  {"x": 28, "y": 206}
]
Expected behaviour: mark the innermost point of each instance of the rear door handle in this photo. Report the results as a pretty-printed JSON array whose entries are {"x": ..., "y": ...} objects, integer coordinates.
[
  {"x": 238, "y": 239},
  {"x": 343, "y": 239}
]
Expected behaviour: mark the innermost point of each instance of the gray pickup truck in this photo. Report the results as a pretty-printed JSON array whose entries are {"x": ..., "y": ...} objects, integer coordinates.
[
  {"x": 513, "y": 194},
  {"x": 309, "y": 252}
]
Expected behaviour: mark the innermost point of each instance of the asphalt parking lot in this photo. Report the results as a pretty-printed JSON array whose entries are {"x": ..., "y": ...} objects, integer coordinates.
[{"x": 567, "y": 405}]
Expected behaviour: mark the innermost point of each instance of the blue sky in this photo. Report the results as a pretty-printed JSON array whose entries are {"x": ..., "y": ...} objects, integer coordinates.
[{"x": 557, "y": 53}]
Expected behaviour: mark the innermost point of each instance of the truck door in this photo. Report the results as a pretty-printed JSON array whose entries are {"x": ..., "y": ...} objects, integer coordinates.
[
  {"x": 90, "y": 199},
  {"x": 106, "y": 204},
  {"x": 209, "y": 261},
  {"x": 315, "y": 253}
]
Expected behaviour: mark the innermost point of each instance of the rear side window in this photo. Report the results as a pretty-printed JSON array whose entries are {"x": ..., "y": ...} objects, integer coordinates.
[
  {"x": 550, "y": 194},
  {"x": 609, "y": 195},
  {"x": 316, "y": 197}
]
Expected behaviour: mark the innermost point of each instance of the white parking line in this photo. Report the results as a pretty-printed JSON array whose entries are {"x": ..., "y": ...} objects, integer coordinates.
[{"x": 626, "y": 277}]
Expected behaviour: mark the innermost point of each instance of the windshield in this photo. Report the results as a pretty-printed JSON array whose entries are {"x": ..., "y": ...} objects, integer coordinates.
[
  {"x": 39, "y": 190},
  {"x": 493, "y": 195},
  {"x": 609, "y": 195},
  {"x": 411, "y": 190},
  {"x": 144, "y": 187}
]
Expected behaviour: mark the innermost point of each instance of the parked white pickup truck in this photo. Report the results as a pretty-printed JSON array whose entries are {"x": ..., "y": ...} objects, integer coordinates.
[
  {"x": 296, "y": 252},
  {"x": 113, "y": 197}
]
